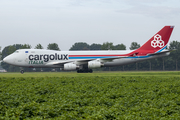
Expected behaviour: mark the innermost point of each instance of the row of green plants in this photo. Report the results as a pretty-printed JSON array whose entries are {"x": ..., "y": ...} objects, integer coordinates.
[{"x": 91, "y": 97}]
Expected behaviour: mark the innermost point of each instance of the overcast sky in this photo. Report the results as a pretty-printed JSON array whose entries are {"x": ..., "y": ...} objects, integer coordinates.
[{"x": 92, "y": 21}]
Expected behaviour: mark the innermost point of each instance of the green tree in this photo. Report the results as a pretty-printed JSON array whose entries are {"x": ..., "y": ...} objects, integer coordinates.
[
  {"x": 134, "y": 45},
  {"x": 39, "y": 46},
  {"x": 53, "y": 46},
  {"x": 107, "y": 46},
  {"x": 95, "y": 46},
  {"x": 26, "y": 46},
  {"x": 80, "y": 46},
  {"x": 11, "y": 49},
  {"x": 120, "y": 47},
  {"x": 175, "y": 45}
]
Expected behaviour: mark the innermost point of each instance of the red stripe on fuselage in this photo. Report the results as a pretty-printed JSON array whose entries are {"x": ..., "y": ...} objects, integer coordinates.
[
  {"x": 92, "y": 55},
  {"x": 139, "y": 53}
]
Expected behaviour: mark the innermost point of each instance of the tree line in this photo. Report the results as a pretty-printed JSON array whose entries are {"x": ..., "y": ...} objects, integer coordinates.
[{"x": 171, "y": 62}]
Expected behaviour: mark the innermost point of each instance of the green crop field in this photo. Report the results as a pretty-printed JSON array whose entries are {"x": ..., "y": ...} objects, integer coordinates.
[{"x": 99, "y": 95}]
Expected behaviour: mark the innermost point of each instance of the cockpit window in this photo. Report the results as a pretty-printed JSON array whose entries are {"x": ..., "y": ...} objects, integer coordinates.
[{"x": 16, "y": 51}]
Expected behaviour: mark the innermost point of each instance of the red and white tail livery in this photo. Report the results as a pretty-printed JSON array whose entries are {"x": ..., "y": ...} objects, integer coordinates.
[
  {"x": 85, "y": 61},
  {"x": 157, "y": 43}
]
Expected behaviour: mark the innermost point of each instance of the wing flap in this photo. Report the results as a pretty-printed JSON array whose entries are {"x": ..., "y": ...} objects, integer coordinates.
[
  {"x": 81, "y": 62},
  {"x": 101, "y": 59},
  {"x": 59, "y": 63}
]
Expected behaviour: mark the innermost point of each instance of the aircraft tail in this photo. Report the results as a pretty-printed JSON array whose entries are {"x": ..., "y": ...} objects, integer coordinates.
[{"x": 158, "y": 41}]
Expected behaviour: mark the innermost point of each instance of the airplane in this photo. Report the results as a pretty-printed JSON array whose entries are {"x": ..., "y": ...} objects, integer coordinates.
[{"x": 85, "y": 61}]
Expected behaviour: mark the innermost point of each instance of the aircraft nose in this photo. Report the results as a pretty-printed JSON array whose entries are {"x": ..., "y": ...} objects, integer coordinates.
[{"x": 7, "y": 59}]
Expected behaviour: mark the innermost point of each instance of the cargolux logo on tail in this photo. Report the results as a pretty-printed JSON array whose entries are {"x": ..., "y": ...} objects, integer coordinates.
[{"x": 157, "y": 42}]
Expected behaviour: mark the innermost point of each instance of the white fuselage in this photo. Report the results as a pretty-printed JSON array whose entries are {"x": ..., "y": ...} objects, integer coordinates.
[
  {"x": 49, "y": 58},
  {"x": 85, "y": 61}
]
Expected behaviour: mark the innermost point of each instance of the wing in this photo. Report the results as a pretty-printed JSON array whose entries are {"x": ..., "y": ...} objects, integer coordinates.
[{"x": 82, "y": 62}]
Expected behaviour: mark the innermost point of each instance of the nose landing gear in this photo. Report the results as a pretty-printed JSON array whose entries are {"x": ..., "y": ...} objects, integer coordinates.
[{"x": 22, "y": 71}]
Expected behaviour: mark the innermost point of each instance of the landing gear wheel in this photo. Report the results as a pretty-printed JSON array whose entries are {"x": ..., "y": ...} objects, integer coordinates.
[
  {"x": 79, "y": 71},
  {"x": 90, "y": 70},
  {"x": 84, "y": 71},
  {"x": 22, "y": 71}
]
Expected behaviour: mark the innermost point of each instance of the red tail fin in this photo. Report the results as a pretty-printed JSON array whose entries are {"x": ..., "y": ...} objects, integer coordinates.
[{"x": 159, "y": 40}]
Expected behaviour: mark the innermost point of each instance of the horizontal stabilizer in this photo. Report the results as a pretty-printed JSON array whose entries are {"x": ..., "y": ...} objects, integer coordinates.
[{"x": 160, "y": 52}]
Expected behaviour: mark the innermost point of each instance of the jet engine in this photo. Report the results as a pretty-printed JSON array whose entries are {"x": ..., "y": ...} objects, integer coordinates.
[
  {"x": 95, "y": 64},
  {"x": 70, "y": 66}
]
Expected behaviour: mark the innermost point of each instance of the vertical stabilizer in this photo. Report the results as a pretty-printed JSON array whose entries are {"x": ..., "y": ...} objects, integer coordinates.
[{"x": 159, "y": 40}]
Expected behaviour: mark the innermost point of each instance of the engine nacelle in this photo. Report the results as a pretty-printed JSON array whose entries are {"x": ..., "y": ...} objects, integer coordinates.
[
  {"x": 70, "y": 66},
  {"x": 95, "y": 64}
]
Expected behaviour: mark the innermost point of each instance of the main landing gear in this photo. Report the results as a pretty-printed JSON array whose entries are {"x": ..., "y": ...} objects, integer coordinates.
[{"x": 84, "y": 71}]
